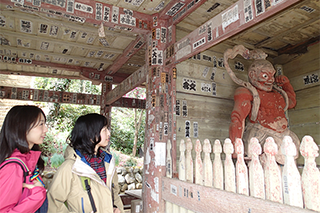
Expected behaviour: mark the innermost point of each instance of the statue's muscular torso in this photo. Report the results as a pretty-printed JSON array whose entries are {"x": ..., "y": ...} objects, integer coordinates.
[{"x": 271, "y": 111}]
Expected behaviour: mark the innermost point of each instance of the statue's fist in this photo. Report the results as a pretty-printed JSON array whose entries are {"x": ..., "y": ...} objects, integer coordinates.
[{"x": 281, "y": 80}]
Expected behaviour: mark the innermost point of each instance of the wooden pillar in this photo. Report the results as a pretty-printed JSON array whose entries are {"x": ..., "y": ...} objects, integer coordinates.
[
  {"x": 105, "y": 109},
  {"x": 160, "y": 122}
]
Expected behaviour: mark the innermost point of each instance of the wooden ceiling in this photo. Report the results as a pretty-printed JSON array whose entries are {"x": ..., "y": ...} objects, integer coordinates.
[{"x": 106, "y": 40}]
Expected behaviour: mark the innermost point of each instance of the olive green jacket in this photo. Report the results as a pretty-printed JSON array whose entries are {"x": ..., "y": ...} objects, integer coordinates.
[{"x": 67, "y": 194}]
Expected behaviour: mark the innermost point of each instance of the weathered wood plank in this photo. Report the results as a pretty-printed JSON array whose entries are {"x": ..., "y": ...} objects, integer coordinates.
[
  {"x": 205, "y": 88},
  {"x": 200, "y": 199},
  {"x": 305, "y": 116},
  {"x": 306, "y": 80},
  {"x": 307, "y": 98}
]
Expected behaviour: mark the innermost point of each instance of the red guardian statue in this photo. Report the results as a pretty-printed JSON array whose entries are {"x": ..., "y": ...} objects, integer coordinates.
[{"x": 260, "y": 104}]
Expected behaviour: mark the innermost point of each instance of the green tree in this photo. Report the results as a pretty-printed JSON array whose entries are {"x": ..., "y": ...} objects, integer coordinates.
[
  {"x": 63, "y": 116},
  {"x": 138, "y": 115},
  {"x": 123, "y": 130}
]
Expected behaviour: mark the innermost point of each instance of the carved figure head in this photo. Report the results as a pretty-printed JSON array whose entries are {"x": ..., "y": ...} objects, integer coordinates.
[{"x": 261, "y": 74}]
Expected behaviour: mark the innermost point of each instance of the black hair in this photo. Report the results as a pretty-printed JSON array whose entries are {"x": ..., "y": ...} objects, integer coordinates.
[
  {"x": 18, "y": 122},
  {"x": 86, "y": 132}
]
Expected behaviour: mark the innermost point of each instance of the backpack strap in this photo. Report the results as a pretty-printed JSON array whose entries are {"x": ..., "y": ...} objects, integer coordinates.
[
  {"x": 86, "y": 186},
  {"x": 18, "y": 161}
]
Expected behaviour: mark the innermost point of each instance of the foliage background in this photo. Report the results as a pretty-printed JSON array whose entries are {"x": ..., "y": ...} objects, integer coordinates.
[{"x": 122, "y": 127}]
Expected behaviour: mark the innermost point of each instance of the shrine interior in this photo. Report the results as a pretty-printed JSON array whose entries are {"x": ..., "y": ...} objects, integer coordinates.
[{"x": 174, "y": 49}]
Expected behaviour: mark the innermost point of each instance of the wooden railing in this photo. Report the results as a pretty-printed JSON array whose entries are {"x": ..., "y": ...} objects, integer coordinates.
[{"x": 200, "y": 184}]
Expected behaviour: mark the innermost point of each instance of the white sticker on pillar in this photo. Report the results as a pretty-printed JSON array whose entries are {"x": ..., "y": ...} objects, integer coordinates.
[
  {"x": 83, "y": 7},
  {"x": 230, "y": 16},
  {"x": 189, "y": 84},
  {"x": 206, "y": 87},
  {"x": 156, "y": 184},
  {"x": 205, "y": 72},
  {"x": 173, "y": 189},
  {"x": 155, "y": 196},
  {"x": 106, "y": 13},
  {"x": 248, "y": 14},
  {"x": 187, "y": 128},
  {"x": 209, "y": 31},
  {"x": 177, "y": 107},
  {"x": 259, "y": 4},
  {"x": 195, "y": 130},
  {"x": 239, "y": 66},
  {"x": 127, "y": 18},
  {"x": 115, "y": 14},
  {"x": 184, "y": 108},
  {"x": 213, "y": 73},
  {"x": 214, "y": 89},
  {"x": 199, "y": 43},
  {"x": 35, "y": 95},
  {"x": 165, "y": 128},
  {"x": 160, "y": 156},
  {"x": 151, "y": 144}
]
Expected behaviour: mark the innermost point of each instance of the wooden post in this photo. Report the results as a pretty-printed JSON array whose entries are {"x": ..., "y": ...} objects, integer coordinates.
[
  {"x": 272, "y": 172},
  {"x": 207, "y": 164},
  {"x": 105, "y": 109},
  {"x": 291, "y": 180},
  {"x": 169, "y": 206},
  {"x": 182, "y": 168},
  {"x": 241, "y": 169},
  {"x": 217, "y": 166},
  {"x": 182, "y": 161},
  {"x": 310, "y": 174},
  {"x": 256, "y": 177},
  {"x": 229, "y": 170},
  {"x": 189, "y": 162},
  {"x": 198, "y": 166}
]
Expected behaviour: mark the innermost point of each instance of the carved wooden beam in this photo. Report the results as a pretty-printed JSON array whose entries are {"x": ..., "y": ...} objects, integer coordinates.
[
  {"x": 201, "y": 198},
  {"x": 130, "y": 103},
  {"x": 28, "y": 94},
  {"x": 223, "y": 26},
  {"x": 48, "y": 96},
  {"x": 134, "y": 80}
]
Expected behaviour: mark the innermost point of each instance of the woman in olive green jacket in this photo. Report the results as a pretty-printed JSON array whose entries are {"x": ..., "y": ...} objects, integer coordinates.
[{"x": 87, "y": 166}]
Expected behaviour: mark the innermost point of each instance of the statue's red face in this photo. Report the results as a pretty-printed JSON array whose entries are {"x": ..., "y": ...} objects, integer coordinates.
[{"x": 261, "y": 75}]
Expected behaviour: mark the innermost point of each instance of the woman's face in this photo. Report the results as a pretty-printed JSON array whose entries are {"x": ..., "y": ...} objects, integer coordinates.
[
  {"x": 105, "y": 137},
  {"x": 37, "y": 134}
]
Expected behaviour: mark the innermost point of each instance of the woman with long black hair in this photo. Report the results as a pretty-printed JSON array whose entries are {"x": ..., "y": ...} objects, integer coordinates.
[
  {"x": 21, "y": 187},
  {"x": 86, "y": 181}
]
